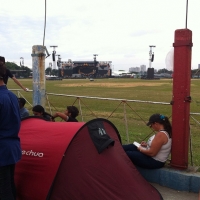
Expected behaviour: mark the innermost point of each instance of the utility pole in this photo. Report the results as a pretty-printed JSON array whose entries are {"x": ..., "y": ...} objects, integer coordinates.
[
  {"x": 38, "y": 66},
  {"x": 181, "y": 96}
]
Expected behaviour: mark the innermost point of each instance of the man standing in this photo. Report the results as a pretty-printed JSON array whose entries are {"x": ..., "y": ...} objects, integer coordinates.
[
  {"x": 8, "y": 74},
  {"x": 10, "y": 150}
]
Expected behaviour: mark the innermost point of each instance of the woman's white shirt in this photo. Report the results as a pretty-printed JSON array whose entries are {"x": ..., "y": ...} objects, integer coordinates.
[{"x": 165, "y": 150}]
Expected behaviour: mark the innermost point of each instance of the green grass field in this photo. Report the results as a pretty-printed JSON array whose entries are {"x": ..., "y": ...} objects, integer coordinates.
[{"x": 135, "y": 114}]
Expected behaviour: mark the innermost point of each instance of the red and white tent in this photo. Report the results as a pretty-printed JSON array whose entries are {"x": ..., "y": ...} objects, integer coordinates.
[{"x": 62, "y": 161}]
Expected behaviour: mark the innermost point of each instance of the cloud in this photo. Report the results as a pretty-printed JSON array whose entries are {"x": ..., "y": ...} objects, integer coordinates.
[{"x": 115, "y": 30}]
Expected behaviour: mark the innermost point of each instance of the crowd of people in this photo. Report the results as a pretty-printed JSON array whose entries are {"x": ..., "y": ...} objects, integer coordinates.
[
  {"x": 12, "y": 111},
  {"x": 151, "y": 154},
  {"x": 69, "y": 115}
]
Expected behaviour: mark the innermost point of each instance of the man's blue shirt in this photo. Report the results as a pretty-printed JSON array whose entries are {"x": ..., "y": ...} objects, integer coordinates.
[
  {"x": 10, "y": 150},
  {"x": 24, "y": 113}
]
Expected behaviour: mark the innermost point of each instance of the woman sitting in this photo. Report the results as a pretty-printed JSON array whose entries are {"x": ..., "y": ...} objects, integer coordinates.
[
  {"x": 39, "y": 111},
  {"x": 153, "y": 153}
]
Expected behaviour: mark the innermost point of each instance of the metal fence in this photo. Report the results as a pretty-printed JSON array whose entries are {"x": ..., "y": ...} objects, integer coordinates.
[{"x": 126, "y": 115}]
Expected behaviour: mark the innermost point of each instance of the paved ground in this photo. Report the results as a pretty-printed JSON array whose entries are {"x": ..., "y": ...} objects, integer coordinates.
[{"x": 170, "y": 194}]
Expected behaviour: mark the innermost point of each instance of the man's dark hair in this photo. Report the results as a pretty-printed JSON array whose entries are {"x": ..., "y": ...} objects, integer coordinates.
[
  {"x": 73, "y": 110},
  {"x": 2, "y": 69},
  {"x": 38, "y": 108},
  {"x": 22, "y": 101},
  {"x": 2, "y": 59}
]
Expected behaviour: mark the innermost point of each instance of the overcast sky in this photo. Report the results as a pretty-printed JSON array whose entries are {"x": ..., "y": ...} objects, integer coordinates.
[{"x": 117, "y": 30}]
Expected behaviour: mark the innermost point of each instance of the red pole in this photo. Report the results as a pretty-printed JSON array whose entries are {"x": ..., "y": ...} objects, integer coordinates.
[{"x": 181, "y": 98}]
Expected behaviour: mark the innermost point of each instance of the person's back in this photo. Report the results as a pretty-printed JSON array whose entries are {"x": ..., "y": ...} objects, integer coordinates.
[
  {"x": 72, "y": 119},
  {"x": 9, "y": 126},
  {"x": 23, "y": 111}
]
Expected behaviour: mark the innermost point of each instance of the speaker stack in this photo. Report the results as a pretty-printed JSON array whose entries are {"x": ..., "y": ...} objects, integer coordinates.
[{"x": 150, "y": 73}]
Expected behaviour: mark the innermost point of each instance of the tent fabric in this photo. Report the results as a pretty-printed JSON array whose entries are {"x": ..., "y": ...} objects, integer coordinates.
[
  {"x": 61, "y": 162},
  {"x": 99, "y": 136},
  {"x": 43, "y": 144},
  {"x": 86, "y": 174}
]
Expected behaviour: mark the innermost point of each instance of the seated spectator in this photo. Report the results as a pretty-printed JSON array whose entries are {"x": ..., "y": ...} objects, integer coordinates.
[
  {"x": 153, "y": 153},
  {"x": 39, "y": 111},
  {"x": 69, "y": 115},
  {"x": 23, "y": 111}
]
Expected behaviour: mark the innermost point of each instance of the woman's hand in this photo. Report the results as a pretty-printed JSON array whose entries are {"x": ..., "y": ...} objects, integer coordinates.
[
  {"x": 141, "y": 149},
  {"x": 143, "y": 144}
]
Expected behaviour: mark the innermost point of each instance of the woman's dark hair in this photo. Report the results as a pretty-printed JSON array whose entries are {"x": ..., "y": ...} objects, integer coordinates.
[
  {"x": 167, "y": 126},
  {"x": 162, "y": 120},
  {"x": 40, "y": 109},
  {"x": 73, "y": 110}
]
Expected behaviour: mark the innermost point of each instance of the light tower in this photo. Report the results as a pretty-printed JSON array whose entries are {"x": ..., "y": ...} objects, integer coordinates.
[
  {"x": 60, "y": 67},
  {"x": 21, "y": 62},
  {"x": 150, "y": 71},
  {"x": 95, "y": 57},
  {"x": 53, "y": 56},
  {"x": 59, "y": 61},
  {"x": 95, "y": 63},
  {"x": 151, "y": 55}
]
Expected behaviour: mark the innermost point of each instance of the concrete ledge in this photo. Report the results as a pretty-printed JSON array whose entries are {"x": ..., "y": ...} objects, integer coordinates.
[{"x": 175, "y": 179}]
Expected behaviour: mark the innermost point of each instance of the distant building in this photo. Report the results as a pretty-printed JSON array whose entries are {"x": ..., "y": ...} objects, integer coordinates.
[
  {"x": 143, "y": 68},
  {"x": 134, "y": 69},
  {"x": 198, "y": 66},
  {"x": 131, "y": 69}
]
